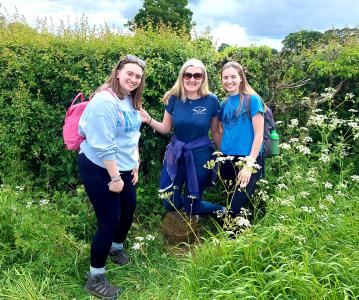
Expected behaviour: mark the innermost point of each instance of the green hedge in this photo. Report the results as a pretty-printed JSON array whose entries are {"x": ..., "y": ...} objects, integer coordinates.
[{"x": 42, "y": 72}]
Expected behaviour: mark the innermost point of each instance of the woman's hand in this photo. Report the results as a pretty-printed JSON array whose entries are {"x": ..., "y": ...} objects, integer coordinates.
[
  {"x": 135, "y": 176},
  {"x": 146, "y": 118},
  {"x": 116, "y": 186},
  {"x": 244, "y": 176}
]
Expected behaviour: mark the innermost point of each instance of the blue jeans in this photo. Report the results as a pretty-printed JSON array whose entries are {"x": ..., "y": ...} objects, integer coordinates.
[{"x": 190, "y": 205}]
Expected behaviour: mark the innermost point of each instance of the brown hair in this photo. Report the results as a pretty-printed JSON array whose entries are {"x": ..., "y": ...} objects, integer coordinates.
[
  {"x": 244, "y": 87},
  {"x": 113, "y": 83}
]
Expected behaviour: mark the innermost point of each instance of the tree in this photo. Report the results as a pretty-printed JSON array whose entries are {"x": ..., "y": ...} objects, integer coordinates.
[
  {"x": 172, "y": 13},
  {"x": 298, "y": 41},
  {"x": 223, "y": 46}
]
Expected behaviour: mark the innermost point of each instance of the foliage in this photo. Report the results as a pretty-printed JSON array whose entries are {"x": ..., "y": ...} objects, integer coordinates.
[
  {"x": 301, "y": 40},
  {"x": 305, "y": 247},
  {"x": 42, "y": 72},
  {"x": 154, "y": 13}
]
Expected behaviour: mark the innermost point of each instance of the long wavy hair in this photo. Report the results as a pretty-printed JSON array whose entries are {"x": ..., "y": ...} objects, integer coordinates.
[
  {"x": 113, "y": 83},
  {"x": 178, "y": 89}
]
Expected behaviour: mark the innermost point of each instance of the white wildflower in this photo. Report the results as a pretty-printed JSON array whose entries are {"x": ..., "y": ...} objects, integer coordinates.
[
  {"x": 301, "y": 239},
  {"x": 279, "y": 123},
  {"x": 165, "y": 195},
  {"x": 308, "y": 139},
  {"x": 139, "y": 238},
  {"x": 294, "y": 122},
  {"x": 294, "y": 140},
  {"x": 330, "y": 199},
  {"x": 328, "y": 185},
  {"x": 349, "y": 95},
  {"x": 353, "y": 110},
  {"x": 44, "y": 202},
  {"x": 136, "y": 246},
  {"x": 307, "y": 209},
  {"x": 285, "y": 146},
  {"x": 323, "y": 218},
  {"x": 317, "y": 120},
  {"x": 240, "y": 221},
  {"x": 323, "y": 207},
  {"x": 353, "y": 125},
  {"x": 150, "y": 237},
  {"x": 355, "y": 178},
  {"x": 304, "y": 194},
  {"x": 303, "y": 149},
  {"x": 282, "y": 186},
  {"x": 303, "y": 129},
  {"x": 324, "y": 158},
  {"x": 311, "y": 179}
]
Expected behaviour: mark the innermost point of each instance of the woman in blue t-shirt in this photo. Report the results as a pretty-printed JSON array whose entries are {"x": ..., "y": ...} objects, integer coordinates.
[
  {"x": 242, "y": 136},
  {"x": 192, "y": 111}
]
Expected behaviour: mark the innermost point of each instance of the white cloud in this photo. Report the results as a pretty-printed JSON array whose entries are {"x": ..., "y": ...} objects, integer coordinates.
[
  {"x": 236, "y": 35},
  {"x": 231, "y": 34}
]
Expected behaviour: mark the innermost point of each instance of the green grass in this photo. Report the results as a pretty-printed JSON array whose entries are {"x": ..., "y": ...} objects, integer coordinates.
[{"x": 306, "y": 246}]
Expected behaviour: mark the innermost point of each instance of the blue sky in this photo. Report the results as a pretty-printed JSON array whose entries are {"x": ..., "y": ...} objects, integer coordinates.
[{"x": 236, "y": 22}]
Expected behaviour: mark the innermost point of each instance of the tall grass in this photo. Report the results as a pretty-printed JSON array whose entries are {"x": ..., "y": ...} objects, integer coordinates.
[{"x": 306, "y": 246}]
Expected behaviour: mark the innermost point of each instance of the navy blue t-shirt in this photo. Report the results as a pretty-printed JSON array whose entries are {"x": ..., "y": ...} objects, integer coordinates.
[{"x": 192, "y": 119}]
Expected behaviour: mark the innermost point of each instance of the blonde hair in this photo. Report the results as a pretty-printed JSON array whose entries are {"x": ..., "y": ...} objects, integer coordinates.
[
  {"x": 244, "y": 87},
  {"x": 178, "y": 89},
  {"x": 113, "y": 83}
]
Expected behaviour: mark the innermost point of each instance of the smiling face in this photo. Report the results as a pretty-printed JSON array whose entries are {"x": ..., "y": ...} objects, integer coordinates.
[
  {"x": 129, "y": 77},
  {"x": 231, "y": 81},
  {"x": 192, "y": 80}
]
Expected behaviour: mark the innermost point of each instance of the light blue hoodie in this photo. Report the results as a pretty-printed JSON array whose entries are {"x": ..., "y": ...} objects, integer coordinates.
[{"x": 112, "y": 130}]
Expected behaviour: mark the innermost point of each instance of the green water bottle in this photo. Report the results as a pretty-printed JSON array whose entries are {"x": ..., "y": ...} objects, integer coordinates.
[{"x": 274, "y": 139}]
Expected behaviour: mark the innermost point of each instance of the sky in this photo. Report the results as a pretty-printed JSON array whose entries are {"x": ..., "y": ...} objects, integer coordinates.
[{"x": 235, "y": 22}]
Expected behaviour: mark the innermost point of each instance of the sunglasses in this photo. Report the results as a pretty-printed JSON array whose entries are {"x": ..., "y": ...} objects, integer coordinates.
[
  {"x": 129, "y": 58},
  {"x": 196, "y": 76}
]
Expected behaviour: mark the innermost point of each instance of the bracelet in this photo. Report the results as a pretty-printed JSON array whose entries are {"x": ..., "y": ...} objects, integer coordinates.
[
  {"x": 115, "y": 178},
  {"x": 150, "y": 121}
]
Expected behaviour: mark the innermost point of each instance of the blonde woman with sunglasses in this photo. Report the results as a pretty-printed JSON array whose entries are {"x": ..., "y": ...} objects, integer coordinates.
[
  {"x": 191, "y": 110},
  {"x": 108, "y": 162}
]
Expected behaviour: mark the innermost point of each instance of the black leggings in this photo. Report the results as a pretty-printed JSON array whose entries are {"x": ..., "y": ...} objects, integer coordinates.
[
  {"x": 240, "y": 199},
  {"x": 114, "y": 211}
]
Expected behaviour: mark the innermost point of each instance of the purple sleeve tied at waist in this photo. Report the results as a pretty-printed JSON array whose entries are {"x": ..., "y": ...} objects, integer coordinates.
[{"x": 170, "y": 164}]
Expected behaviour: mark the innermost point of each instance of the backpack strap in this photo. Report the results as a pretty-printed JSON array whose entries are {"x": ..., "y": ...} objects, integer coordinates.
[
  {"x": 79, "y": 95},
  {"x": 247, "y": 106}
]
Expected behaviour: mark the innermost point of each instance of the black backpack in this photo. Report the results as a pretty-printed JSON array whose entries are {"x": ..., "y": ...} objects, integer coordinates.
[{"x": 269, "y": 124}]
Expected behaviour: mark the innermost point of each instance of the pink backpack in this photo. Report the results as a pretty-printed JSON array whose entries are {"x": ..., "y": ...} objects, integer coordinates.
[{"x": 70, "y": 130}]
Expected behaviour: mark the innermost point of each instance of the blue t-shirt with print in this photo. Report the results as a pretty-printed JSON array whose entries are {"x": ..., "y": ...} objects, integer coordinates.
[
  {"x": 192, "y": 118},
  {"x": 238, "y": 133}
]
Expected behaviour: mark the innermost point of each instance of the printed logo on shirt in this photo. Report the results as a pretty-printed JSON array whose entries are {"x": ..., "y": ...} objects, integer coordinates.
[
  {"x": 232, "y": 117},
  {"x": 128, "y": 120},
  {"x": 199, "y": 110}
]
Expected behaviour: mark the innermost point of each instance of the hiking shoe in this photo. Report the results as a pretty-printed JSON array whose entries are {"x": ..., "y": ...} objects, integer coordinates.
[
  {"x": 119, "y": 257},
  {"x": 98, "y": 286}
]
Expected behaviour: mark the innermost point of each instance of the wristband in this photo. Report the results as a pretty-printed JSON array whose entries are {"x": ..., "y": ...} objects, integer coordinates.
[
  {"x": 115, "y": 178},
  {"x": 150, "y": 121}
]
